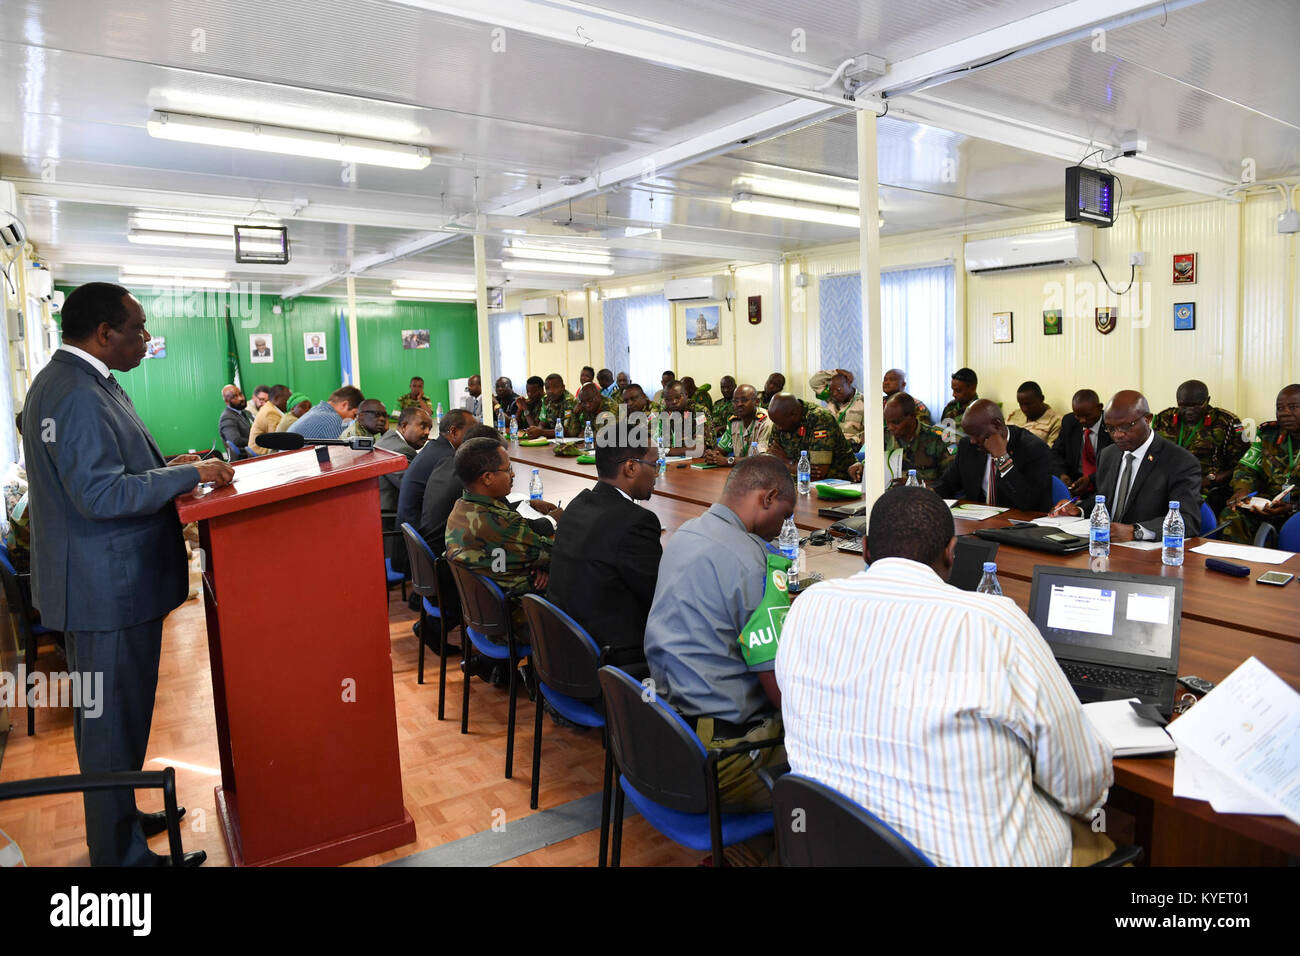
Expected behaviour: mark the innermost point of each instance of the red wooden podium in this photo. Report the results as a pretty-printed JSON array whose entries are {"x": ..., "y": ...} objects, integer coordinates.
[{"x": 302, "y": 680}]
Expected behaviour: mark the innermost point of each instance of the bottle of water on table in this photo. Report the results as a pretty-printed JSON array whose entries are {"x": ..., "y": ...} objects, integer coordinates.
[
  {"x": 437, "y": 416},
  {"x": 559, "y": 427},
  {"x": 501, "y": 420},
  {"x": 1099, "y": 530},
  {"x": 912, "y": 480},
  {"x": 1172, "y": 551},
  {"x": 804, "y": 471},
  {"x": 588, "y": 440},
  {"x": 989, "y": 580},
  {"x": 535, "y": 486},
  {"x": 514, "y": 428},
  {"x": 788, "y": 542}
]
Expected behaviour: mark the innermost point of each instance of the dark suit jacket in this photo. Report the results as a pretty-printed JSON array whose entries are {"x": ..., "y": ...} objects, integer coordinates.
[
  {"x": 234, "y": 426},
  {"x": 1067, "y": 450},
  {"x": 604, "y": 565},
  {"x": 107, "y": 551},
  {"x": 1028, "y": 485},
  {"x": 1168, "y": 473}
]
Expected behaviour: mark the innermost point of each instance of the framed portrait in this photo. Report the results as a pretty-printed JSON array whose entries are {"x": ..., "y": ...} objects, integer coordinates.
[
  {"x": 314, "y": 348},
  {"x": 1052, "y": 322},
  {"x": 1185, "y": 268},
  {"x": 702, "y": 325},
  {"x": 575, "y": 330},
  {"x": 261, "y": 348},
  {"x": 415, "y": 338},
  {"x": 1002, "y": 329},
  {"x": 1184, "y": 316},
  {"x": 546, "y": 331}
]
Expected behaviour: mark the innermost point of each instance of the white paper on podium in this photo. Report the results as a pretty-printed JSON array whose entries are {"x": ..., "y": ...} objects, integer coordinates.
[{"x": 1248, "y": 728}]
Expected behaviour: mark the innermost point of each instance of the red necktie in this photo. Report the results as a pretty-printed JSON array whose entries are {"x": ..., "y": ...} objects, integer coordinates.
[{"x": 1089, "y": 454}]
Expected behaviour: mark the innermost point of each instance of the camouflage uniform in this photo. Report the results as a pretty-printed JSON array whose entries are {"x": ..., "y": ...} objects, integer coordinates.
[
  {"x": 722, "y": 412},
  {"x": 482, "y": 529},
  {"x": 819, "y": 434},
  {"x": 671, "y": 433},
  {"x": 955, "y": 410},
  {"x": 532, "y": 415},
  {"x": 700, "y": 401},
  {"x": 550, "y": 410},
  {"x": 1269, "y": 465},
  {"x": 851, "y": 416},
  {"x": 1215, "y": 441},
  {"x": 926, "y": 452},
  {"x": 356, "y": 430},
  {"x": 577, "y": 419},
  {"x": 735, "y": 438},
  {"x": 410, "y": 401}
]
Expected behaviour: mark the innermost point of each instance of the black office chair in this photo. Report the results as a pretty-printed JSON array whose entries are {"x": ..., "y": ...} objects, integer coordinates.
[
  {"x": 235, "y": 452},
  {"x": 567, "y": 662},
  {"x": 17, "y": 591},
  {"x": 392, "y": 536},
  {"x": 431, "y": 580},
  {"x": 667, "y": 773},
  {"x": 485, "y": 610},
  {"x": 164, "y": 780},
  {"x": 818, "y": 826}
]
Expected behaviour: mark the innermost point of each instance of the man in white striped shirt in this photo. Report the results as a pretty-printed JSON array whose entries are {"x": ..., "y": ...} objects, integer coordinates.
[{"x": 943, "y": 712}]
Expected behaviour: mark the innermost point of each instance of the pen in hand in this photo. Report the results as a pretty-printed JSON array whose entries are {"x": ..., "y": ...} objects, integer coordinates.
[{"x": 1059, "y": 509}]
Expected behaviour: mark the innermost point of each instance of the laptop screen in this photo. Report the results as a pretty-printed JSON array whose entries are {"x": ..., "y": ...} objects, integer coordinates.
[
  {"x": 968, "y": 562},
  {"x": 1081, "y": 613}
]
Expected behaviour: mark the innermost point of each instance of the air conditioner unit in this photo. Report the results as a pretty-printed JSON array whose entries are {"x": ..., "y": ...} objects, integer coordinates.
[
  {"x": 1056, "y": 247},
  {"x": 11, "y": 231},
  {"x": 706, "y": 288},
  {"x": 547, "y": 306}
]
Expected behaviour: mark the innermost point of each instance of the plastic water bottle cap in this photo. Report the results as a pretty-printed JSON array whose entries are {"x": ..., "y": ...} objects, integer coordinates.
[
  {"x": 990, "y": 567},
  {"x": 911, "y": 471},
  {"x": 1175, "y": 505},
  {"x": 1101, "y": 499}
]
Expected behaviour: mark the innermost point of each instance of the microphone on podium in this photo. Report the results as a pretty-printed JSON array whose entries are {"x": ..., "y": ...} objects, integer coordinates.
[{"x": 290, "y": 441}]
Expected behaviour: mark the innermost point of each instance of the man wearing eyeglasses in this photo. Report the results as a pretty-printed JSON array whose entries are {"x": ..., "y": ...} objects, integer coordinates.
[
  {"x": 1140, "y": 473},
  {"x": 1269, "y": 465}
]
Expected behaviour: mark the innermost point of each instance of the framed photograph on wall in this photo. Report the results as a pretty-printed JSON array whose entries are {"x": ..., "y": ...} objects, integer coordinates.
[
  {"x": 1002, "y": 329},
  {"x": 576, "y": 330},
  {"x": 1184, "y": 316},
  {"x": 261, "y": 349},
  {"x": 313, "y": 347},
  {"x": 415, "y": 338},
  {"x": 702, "y": 325},
  {"x": 1185, "y": 268},
  {"x": 546, "y": 331},
  {"x": 1052, "y": 322}
]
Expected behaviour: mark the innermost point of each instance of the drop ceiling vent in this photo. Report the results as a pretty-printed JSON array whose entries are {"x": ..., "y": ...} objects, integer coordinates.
[
  {"x": 1061, "y": 248},
  {"x": 700, "y": 288}
]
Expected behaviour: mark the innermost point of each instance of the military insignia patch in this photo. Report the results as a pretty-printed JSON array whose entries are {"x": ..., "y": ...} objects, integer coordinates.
[{"x": 819, "y": 434}]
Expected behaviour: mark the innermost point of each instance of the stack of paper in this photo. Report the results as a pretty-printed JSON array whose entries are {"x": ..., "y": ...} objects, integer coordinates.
[
  {"x": 1239, "y": 746},
  {"x": 1070, "y": 524},
  {"x": 976, "y": 512},
  {"x": 1127, "y": 733},
  {"x": 1243, "y": 552}
]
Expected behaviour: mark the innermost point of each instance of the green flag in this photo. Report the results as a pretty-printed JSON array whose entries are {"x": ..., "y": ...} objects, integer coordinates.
[{"x": 232, "y": 354}]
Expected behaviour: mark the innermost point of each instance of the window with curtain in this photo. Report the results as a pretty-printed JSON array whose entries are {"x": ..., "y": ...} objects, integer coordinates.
[
  {"x": 639, "y": 338},
  {"x": 509, "y": 350},
  {"x": 917, "y": 324}
]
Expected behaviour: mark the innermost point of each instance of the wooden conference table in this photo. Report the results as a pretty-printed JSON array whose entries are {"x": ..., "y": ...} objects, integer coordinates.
[{"x": 1225, "y": 621}]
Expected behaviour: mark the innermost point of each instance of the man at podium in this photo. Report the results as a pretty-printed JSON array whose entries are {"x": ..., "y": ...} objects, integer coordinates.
[{"x": 108, "y": 560}]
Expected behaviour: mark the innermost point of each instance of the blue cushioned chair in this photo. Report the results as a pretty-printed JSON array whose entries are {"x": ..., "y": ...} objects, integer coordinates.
[
  {"x": 236, "y": 453},
  {"x": 393, "y": 576},
  {"x": 1059, "y": 491},
  {"x": 431, "y": 579},
  {"x": 17, "y": 591},
  {"x": 1208, "y": 521},
  {"x": 667, "y": 773},
  {"x": 1289, "y": 537},
  {"x": 834, "y": 830},
  {"x": 486, "y": 612},
  {"x": 567, "y": 663}
]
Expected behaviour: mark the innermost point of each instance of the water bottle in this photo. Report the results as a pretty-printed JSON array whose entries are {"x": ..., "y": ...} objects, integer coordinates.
[
  {"x": 989, "y": 580},
  {"x": 535, "y": 486},
  {"x": 1099, "y": 532},
  {"x": 1172, "y": 552},
  {"x": 805, "y": 472},
  {"x": 588, "y": 441},
  {"x": 788, "y": 542},
  {"x": 912, "y": 480},
  {"x": 501, "y": 420},
  {"x": 514, "y": 428},
  {"x": 559, "y": 427},
  {"x": 654, "y": 427},
  {"x": 437, "y": 416},
  {"x": 661, "y": 465},
  {"x": 753, "y": 448}
]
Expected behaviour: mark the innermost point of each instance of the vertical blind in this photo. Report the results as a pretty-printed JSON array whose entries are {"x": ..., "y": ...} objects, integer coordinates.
[
  {"x": 917, "y": 308},
  {"x": 638, "y": 338},
  {"x": 509, "y": 350}
]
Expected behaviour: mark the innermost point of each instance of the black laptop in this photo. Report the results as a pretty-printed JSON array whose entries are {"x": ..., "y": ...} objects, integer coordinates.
[{"x": 1114, "y": 635}]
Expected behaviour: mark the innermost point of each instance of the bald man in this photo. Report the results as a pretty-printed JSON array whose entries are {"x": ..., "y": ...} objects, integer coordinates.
[
  {"x": 894, "y": 383},
  {"x": 997, "y": 463},
  {"x": 236, "y": 420},
  {"x": 371, "y": 420},
  {"x": 1140, "y": 473}
]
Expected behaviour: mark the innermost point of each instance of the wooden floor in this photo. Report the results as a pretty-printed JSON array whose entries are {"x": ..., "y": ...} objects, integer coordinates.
[{"x": 453, "y": 784}]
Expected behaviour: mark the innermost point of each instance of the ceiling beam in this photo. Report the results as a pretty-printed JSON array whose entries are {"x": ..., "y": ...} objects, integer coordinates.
[{"x": 596, "y": 28}]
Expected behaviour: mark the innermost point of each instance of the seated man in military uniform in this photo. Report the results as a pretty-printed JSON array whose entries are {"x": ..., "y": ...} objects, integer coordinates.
[
  {"x": 555, "y": 408},
  {"x": 922, "y": 447},
  {"x": 587, "y": 410},
  {"x": 680, "y": 431},
  {"x": 798, "y": 426},
  {"x": 747, "y": 427},
  {"x": 1269, "y": 465},
  {"x": 1212, "y": 435}
]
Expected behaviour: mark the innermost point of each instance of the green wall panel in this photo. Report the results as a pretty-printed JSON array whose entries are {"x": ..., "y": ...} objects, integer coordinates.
[{"x": 179, "y": 397}]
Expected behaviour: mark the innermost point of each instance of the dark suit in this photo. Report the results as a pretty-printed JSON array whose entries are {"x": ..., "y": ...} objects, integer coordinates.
[
  {"x": 1028, "y": 485},
  {"x": 108, "y": 564},
  {"x": 410, "y": 497},
  {"x": 1067, "y": 450},
  {"x": 604, "y": 565},
  {"x": 234, "y": 426},
  {"x": 1168, "y": 473}
]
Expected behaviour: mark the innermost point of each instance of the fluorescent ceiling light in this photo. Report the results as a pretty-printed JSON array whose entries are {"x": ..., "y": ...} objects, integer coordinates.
[
  {"x": 438, "y": 295},
  {"x": 846, "y": 195},
  {"x": 195, "y": 241},
  {"x": 559, "y": 255},
  {"x": 281, "y": 139},
  {"x": 793, "y": 209},
  {"x": 557, "y": 268},
  {"x": 436, "y": 282},
  {"x": 177, "y": 273},
  {"x": 163, "y": 222},
  {"x": 173, "y": 282}
]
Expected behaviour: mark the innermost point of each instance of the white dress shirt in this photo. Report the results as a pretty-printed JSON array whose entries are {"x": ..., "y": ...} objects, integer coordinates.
[
  {"x": 941, "y": 711},
  {"x": 1139, "y": 455},
  {"x": 95, "y": 363}
]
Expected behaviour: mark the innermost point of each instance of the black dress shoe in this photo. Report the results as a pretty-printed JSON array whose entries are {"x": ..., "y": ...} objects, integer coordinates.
[
  {"x": 155, "y": 823},
  {"x": 194, "y": 858}
]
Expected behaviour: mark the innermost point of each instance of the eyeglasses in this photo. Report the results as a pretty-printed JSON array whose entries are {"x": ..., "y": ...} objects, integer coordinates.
[
  {"x": 491, "y": 470},
  {"x": 639, "y": 461},
  {"x": 1127, "y": 427}
]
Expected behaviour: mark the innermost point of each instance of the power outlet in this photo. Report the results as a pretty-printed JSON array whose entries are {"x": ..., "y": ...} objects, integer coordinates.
[{"x": 1137, "y": 258}]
